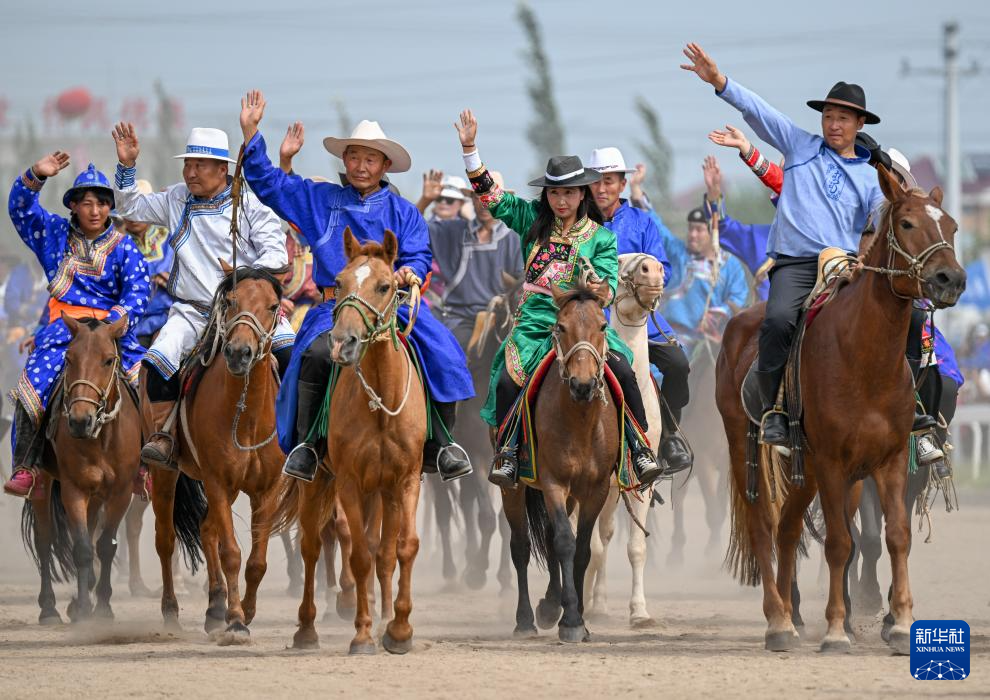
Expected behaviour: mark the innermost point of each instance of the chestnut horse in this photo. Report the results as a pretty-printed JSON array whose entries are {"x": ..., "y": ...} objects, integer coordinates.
[
  {"x": 577, "y": 426},
  {"x": 375, "y": 449},
  {"x": 858, "y": 407},
  {"x": 90, "y": 459},
  {"x": 226, "y": 440}
]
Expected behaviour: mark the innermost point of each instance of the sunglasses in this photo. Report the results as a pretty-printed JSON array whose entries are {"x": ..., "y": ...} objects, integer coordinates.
[{"x": 448, "y": 200}]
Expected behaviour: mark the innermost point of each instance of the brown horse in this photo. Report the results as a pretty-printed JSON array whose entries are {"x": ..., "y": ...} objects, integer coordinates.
[
  {"x": 577, "y": 425},
  {"x": 226, "y": 440},
  {"x": 858, "y": 399},
  {"x": 375, "y": 449},
  {"x": 90, "y": 459}
]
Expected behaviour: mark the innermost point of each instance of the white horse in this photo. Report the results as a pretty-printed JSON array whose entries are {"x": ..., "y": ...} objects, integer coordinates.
[{"x": 640, "y": 286}]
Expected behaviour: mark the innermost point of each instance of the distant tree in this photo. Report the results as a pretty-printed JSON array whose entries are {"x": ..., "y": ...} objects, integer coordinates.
[
  {"x": 658, "y": 156},
  {"x": 169, "y": 142},
  {"x": 749, "y": 203},
  {"x": 545, "y": 132},
  {"x": 344, "y": 121}
]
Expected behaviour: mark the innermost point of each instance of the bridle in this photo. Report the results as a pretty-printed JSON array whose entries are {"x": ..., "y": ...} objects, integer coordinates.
[
  {"x": 103, "y": 394},
  {"x": 632, "y": 288},
  {"x": 600, "y": 356}
]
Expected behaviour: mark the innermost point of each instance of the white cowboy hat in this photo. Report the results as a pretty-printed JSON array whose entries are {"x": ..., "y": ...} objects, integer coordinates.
[
  {"x": 207, "y": 143},
  {"x": 453, "y": 187},
  {"x": 608, "y": 160},
  {"x": 370, "y": 134},
  {"x": 902, "y": 165}
]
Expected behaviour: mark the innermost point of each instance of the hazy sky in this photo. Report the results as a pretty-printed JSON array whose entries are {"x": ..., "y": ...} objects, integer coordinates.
[{"x": 413, "y": 64}]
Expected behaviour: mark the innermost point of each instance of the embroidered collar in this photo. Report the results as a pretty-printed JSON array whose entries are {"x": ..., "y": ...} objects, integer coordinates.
[
  {"x": 376, "y": 196},
  {"x": 579, "y": 227}
]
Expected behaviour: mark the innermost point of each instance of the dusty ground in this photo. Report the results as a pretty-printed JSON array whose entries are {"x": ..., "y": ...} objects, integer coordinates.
[{"x": 709, "y": 642}]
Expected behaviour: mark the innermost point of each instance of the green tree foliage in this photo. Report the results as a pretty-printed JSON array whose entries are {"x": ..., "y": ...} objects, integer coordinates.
[
  {"x": 545, "y": 132},
  {"x": 658, "y": 156}
]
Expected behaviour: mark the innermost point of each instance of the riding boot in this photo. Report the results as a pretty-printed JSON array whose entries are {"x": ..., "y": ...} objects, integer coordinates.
[
  {"x": 440, "y": 453},
  {"x": 774, "y": 428},
  {"x": 648, "y": 469},
  {"x": 160, "y": 448},
  {"x": 927, "y": 449},
  {"x": 504, "y": 471},
  {"x": 28, "y": 446},
  {"x": 673, "y": 448},
  {"x": 305, "y": 458}
]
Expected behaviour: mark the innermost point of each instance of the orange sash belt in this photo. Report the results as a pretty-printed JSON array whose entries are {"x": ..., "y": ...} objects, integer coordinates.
[{"x": 56, "y": 308}]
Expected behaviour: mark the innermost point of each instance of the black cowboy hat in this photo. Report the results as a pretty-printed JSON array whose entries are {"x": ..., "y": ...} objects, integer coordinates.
[
  {"x": 848, "y": 95},
  {"x": 566, "y": 171}
]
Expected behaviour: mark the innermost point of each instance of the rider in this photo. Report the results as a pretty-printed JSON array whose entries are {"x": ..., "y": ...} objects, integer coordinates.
[
  {"x": 198, "y": 213},
  {"x": 93, "y": 271},
  {"x": 322, "y": 211},
  {"x": 636, "y": 232},
  {"x": 828, "y": 194},
  {"x": 558, "y": 231}
]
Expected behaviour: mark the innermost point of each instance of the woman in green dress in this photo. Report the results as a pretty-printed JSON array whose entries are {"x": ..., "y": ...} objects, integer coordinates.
[{"x": 561, "y": 232}]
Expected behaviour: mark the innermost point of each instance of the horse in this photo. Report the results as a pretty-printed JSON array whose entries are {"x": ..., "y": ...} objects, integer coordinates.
[
  {"x": 857, "y": 416},
  {"x": 576, "y": 422},
  {"x": 641, "y": 277},
  {"x": 225, "y": 439},
  {"x": 375, "y": 449},
  {"x": 90, "y": 460}
]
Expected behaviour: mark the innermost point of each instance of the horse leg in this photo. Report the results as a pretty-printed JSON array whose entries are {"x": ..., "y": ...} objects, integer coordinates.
[
  {"x": 476, "y": 493},
  {"x": 373, "y": 536},
  {"x": 257, "y": 562},
  {"x": 346, "y": 603},
  {"x": 549, "y": 608},
  {"x": 838, "y": 545},
  {"x": 106, "y": 549},
  {"x": 595, "y": 582},
  {"x": 76, "y": 506},
  {"x": 398, "y": 633},
  {"x": 353, "y": 503},
  {"x": 445, "y": 517},
  {"x": 43, "y": 535},
  {"x": 514, "y": 508},
  {"x": 230, "y": 560},
  {"x": 293, "y": 563},
  {"x": 310, "y": 542},
  {"x": 163, "y": 503},
  {"x": 385, "y": 557},
  {"x": 869, "y": 599},
  {"x": 788, "y": 537},
  {"x": 709, "y": 480},
  {"x": 571, "y": 626},
  {"x": 133, "y": 524},
  {"x": 587, "y": 515},
  {"x": 639, "y": 616},
  {"x": 506, "y": 561},
  {"x": 216, "y": 590},
  {"x": 678, "y": 536},
  {"x": 328, "y": 540},
  {"x": 891, "y": 486}
]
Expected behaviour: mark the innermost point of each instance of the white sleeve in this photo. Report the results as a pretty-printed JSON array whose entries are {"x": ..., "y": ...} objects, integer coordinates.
[
  {"x": 131, "y": 204},
  {"x": 265, "y": 234}
]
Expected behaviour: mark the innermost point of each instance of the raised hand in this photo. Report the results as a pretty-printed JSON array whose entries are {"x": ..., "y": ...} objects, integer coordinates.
[
  {"x": 731, "y": 138},
  {"x": 51, "y": 164},
  {"x": 126, "y": 141},
  {"x": 252, "y": 110},
  {"x": 467, "y": 130},
  {"x": 703, "y": 66},
  {"x": 295, "y": 136},
  {"x": 432, "y": 185},
  {"x": 713, "y": 178},
  {"x": 636, "y": 180}
]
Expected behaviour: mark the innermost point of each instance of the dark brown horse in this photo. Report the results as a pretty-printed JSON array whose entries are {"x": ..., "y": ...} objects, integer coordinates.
[
  {"x": 578, "y": 447},
  {"x": 226, "y": 441},
  {"x": 375, "y": 449},
  {"x": 858, "y": 399},
  {"x": 90, "y": 459}
]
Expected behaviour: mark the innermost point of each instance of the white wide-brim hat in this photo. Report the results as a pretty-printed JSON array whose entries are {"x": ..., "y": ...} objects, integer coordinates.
[
  {"x": 608, "y": 160},
  {"x": 902, "y": 165},
  {"x": 454, "y": 187},
  {"x": 370, "y": 135},
  {"x": 207, "y": 143}
]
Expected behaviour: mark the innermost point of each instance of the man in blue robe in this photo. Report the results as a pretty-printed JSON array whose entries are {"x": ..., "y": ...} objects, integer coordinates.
[{"x": 321, "y": 211}]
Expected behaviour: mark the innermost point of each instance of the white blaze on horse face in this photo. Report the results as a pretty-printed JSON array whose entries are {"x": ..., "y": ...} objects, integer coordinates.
[
  {"x": 936, "y": 214},
  {"x": 361, "y": 274}
]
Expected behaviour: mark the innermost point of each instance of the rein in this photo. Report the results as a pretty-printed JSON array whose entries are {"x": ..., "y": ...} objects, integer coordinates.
[
  {"x": 600, "y": 357},
  {"x": 633, "y": 289},
  {"x": 102, "y": 415},
  {"x": 915, "y": 262}
]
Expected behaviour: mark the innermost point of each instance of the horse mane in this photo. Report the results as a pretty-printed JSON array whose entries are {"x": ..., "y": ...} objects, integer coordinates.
[
  {"x": 371, "y": 249},
  {"x": 884, "y": 212},
  {"x": 92, "y": 323},
  {"x": 581, "y": 292}
]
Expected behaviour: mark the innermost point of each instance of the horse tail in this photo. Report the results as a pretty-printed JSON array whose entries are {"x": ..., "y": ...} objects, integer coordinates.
[
  {"x": 293, "y": 494},
  {"x": 188, "y": 513},
  {"x": 540, "y": 528},
  {"x": 63, "y": 567},
  {"x": 814, "y": 521}
]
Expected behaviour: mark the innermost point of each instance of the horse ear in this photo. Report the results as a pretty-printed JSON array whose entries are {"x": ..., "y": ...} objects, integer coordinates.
[
  {"x": 390, "y": 246},
  {"x": 351, "y": 246},
  {"x": 72, "y": 323},
  {"x": 604, "y": 294},
  {"x": 889, "y": 185},
  {"x": 508, "y": 281},
  {"x": 119, "y": 327},
  {"x": 557, "y": 293},
  {"x": 936, "y": 195},
  {"x": 225, "y": 266}
]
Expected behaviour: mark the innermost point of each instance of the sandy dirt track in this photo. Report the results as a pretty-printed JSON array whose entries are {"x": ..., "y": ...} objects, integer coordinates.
[{"x": 709, "y": 641}]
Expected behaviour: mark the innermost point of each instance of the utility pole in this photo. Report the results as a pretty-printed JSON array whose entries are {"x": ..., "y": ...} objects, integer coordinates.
[{"x": 950, "y": 72}]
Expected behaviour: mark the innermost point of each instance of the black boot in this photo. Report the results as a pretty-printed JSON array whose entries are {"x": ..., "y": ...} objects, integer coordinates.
[
  {"x": 675, "y": 454},
  {"x": 441, "y": 453},
  {"x": 645, "y": 464},
  {"x": 774, "y": 428},
  {"x": 923, "y": 423},
  {"x": 305, "y": 457}
]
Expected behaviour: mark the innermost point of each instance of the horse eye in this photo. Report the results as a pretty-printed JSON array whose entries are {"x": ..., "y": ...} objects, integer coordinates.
[
  {"x": 604, "y": 326},
  {"x": 906, "y": 224},
  {"x": 273, "y": 308},
  {"x": 108, "y": 362},
  {"x": 383, "y": 288}
]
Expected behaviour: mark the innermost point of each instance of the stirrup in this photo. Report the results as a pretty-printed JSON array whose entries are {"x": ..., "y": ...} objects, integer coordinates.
[
  {"x": 505, "y": 458},
  {"x": 763, "y": 423},
  {"x": 299, "y": 475},
  {"x": 443, "y": 449},
  {"x": 167, "y": 462}
]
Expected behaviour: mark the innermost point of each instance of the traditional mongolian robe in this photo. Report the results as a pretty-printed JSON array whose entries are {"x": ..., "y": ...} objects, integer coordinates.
[
  {"x": 321, "y": 211},
  {"x": 556, "y": 263},
  {"x": 158, "y": 256},
  {"x": 199, "y": 236},
  {"x": 103, "y": 278}
]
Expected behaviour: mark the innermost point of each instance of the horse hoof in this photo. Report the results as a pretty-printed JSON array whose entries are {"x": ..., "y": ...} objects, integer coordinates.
[
  {"x": 547, "y": 614},
  {"x": 527, "y": 632},
  {"x": 573, "y": 635},
  {"x": 172, "y": 624},
  {"x": 885, "y": 630},
  {"x": 597, "y": 616},
  {"x": 49, "y": 618},
  {"x": 236, "y": 634},
  {"x": 780, "y": 641},
  {"x": 900, "y": 642},
  {"x": 362, "y": 649},
  {"x": 305, "y": 640},
  {"x": 213, "y": 625},
  {"x": 395, "y": 647},
  {"x": 104, "y": 612},
  {"x": 475, "y": 579},
  {"x": 839, "y": 645},
  {"x": 642, "y": 623}
]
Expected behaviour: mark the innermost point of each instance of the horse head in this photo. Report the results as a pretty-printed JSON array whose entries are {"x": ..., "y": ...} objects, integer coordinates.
[
  {"x": 367, "y": 297},
  {"x": 920, "y": 257},
  {"x": 579, "y": 338},
  {"x": 641, "y": 276},
  {"x": 92, "y": 364},
  {"x": 248, "y": 313}
]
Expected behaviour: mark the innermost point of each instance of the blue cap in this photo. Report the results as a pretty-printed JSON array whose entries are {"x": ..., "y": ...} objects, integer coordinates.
[{"x": 89, "y": 179}]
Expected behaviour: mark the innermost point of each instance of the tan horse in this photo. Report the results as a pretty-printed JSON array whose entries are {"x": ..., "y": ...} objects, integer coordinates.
[
  {"x": 226, "y": 440},
  {"x": 90, "y": 461},
  {"x": 857, "y": 398},
  {"x": 374, "y": 453}
]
